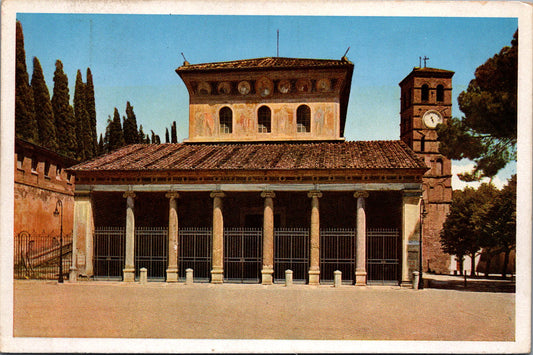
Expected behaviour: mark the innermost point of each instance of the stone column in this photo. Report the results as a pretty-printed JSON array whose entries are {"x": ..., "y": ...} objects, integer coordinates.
[
  {"x": 410, "y": 234},
  {"x": 217, "y": 255},
  {"x": 314, "y": 262},
  {"x": 268, "y": 238},
  {"x": 173, "y": 241},
  {"x": 129, "y": 267},
  {"x": 82, "y": 236},
  {"x": 360, "y": 242}
]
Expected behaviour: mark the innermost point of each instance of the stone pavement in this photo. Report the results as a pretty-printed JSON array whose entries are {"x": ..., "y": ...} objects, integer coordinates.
[{"x": 232, "y": 311}]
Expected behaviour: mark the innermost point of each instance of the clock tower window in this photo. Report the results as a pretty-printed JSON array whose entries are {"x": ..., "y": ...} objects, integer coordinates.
[
  {"x": 263, "y": 119},
  {"x": 425, "y": 92},
  {"x": 423, "y": 143},
  {"x": 225, "y": 120},
  {"x": 440, "y": 93},
  {"x": 303, "y": 118}
]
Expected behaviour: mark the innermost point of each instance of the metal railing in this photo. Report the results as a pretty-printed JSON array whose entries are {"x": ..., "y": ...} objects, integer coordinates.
[
  {"x": 151, "y": 251},
  {"x": 291, "y": 252},
  {"x": 337, "y": 252},
  {"x": 243, "y": 252},
  {"x": 383, "y": 256},
  {"x": 37, "y": 256},
  {"x": 109, "y": 252},
  {"x": 195, "y": 252}
]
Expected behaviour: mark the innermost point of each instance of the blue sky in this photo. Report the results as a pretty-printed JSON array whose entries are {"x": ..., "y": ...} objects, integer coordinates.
[{"x": 133, "y": 57}]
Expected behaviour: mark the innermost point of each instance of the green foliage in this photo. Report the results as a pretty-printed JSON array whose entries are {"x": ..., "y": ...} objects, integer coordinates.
[
  {"x": 101, "y": 148},
  {"x": 43, "y": 108},
  {"x": 85, "y": 144},
  {"x": 131, "y": 135},
  {"x": 63, "y": 113},
  {"x": 487, "y": 133},
  {"x": 114, "y": 133},
  {"x": 90, "y": 106},
  {"x": 25, "y": 121},
  {"x": 174, "y": 133},
  {"x": 167, "y": 136}
]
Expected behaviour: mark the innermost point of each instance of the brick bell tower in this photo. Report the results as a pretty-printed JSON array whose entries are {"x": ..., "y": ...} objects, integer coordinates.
[{"x": 426, "y": 101}]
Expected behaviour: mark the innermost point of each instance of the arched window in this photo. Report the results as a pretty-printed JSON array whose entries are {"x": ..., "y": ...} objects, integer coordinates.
[
  {"x": 263, "y": 119},
  {"x": 425, "y": 92},
  {"x": 303, "y": 118},
  {"x": 440, "y": 93},
  {"x": 438, "y": 166},
  {"x": 226, "y": 120}
]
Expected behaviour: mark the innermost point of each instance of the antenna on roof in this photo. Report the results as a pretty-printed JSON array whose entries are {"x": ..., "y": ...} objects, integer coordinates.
[
  {"x": 277, "y": 48},
  {"x": 344, "y": 56},
  {"x": 185, "y": 59},
  {"x": 420, "y": 62}
]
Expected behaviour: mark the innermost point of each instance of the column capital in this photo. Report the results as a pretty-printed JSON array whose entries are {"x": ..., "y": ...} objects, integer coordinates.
[
  {"x": 314, "y": 193},
  {"x": 129, "y": 194},
  {"x": 361, "y": 194},
  {"x": 217, "y": 194},
  {"x": 270, "y": 194},
  {"x": 172, "y": 194}
]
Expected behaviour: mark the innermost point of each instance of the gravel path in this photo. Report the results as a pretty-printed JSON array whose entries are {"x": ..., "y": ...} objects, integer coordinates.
[{"x": 229, "y": 311}]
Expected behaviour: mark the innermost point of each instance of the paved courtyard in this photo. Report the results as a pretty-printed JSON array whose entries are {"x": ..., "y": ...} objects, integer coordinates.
[{"x": 230, "y": 311}]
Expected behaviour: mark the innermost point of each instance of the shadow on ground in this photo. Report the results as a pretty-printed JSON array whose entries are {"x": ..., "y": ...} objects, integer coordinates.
[{"x": 472, "y": 285}]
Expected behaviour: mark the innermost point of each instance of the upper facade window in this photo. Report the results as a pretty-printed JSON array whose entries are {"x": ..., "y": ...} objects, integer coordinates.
[
  {"x": 264, "y": 119},
  {"x": 303, "y": 118},
  {"x": 425, "y": 92},
  {"x": 226, "y": 120}
]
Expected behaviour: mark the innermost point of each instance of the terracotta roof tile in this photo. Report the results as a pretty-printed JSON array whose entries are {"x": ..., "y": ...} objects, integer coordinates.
[
  {"x": 268, "y": 62},
  {"x": 257, "y": 156}
]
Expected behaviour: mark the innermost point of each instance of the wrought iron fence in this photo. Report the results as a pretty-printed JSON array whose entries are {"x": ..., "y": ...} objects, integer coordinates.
[
  {"x": 337, "y": 252},
  {"x": 383, "y": 256},
  {"x": 151, "y": 251},
  {"x": 291, "y": 252},
  {"x": 37, "y": 256},
  {"x": 195, "y": 253},
  {"x": 242, "y": 254},
  {"x": 109, "y": 251}
]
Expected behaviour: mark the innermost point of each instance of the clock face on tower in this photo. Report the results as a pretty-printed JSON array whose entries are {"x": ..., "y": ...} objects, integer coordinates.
[{"x": 432, "y": 118}]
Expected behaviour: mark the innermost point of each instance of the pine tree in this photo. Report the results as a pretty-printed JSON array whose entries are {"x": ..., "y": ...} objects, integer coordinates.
[
  {"x": 131, "y": 135},
  {"x": 25, "y": 121},
  {"x": 85, "y": 145},
  {"x": 174, "y": 133},
  {"x": 43, "y": 108},
  {"x": 63, "y": 113},
  {"x": 90, "y": 106},
  {"x": 167, "y": 137},
  {"x": 116, "y": 135}
]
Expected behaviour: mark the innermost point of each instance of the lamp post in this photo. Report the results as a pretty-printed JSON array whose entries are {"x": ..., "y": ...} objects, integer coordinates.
[
  {"x": 423, "y": 214},
  {"x": 57, "y": 213}
]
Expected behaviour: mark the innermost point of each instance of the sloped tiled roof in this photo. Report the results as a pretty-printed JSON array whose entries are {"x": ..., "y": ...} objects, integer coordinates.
[
  {"x": 257, "y": 156},
  {"x": 267, "y": 62}
]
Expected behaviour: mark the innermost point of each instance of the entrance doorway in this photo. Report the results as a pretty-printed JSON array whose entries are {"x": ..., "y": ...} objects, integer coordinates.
[
  {"x": 383, "y": 250},
  {"x": 243, "y": 252}
]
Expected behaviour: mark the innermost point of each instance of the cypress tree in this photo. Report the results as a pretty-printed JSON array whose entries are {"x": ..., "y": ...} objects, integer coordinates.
[
  {"x": 100, "y": 145},
  {"x": 131, "y": 135},
  {"x": 43, "y": 108},
  {"x": 116, "y": 135},
  {"x": 174, "y": 133},
  {"x": 25, "y": 121},
  {"x": 142, "y": 136},
  {"x": 167, "y": 137},
  {"x": 85, "y": 145},
  {"x": 90, "y": 106},
  {"x": 63, "y": 113}
]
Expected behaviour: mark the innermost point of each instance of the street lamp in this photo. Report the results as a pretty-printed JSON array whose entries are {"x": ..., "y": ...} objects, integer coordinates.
[
  {"x": 57, "y": 213},
  {"x": 423, "y": 214}
]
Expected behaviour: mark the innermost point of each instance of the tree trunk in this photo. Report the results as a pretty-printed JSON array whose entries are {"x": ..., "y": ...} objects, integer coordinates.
[
  {"x": 487, "y": 265},
  {"x": 460, "y": 261},
  {"x": 505, "y": 263}
]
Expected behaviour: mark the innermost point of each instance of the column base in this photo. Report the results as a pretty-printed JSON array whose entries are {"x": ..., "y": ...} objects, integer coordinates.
[
  {"x": 73, "y": 274},
  {"x": 266, "y": 276},
  {"x": 217, "y": 276},
  {"x": 407, "y": 283},
  {"x": 314, "y": 277},
  {"x": 172, "y": 275},
  {"x": 360, "y": 278},
  {"x": 129, "y": 274}
]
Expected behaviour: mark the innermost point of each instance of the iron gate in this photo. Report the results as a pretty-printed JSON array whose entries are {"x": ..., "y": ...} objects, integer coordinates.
[
  {"x": 37, "y": 256},
  {"x": 195, "y": 253},
  {"x": 151, "y": 251},
  {"x": 383, "y": 256},
  {"x": 242, "y": 254},
  {"x": 291, "y": 252},
  {"x": 337, "y": 252},
  {"x": 109, "y": 251}
]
